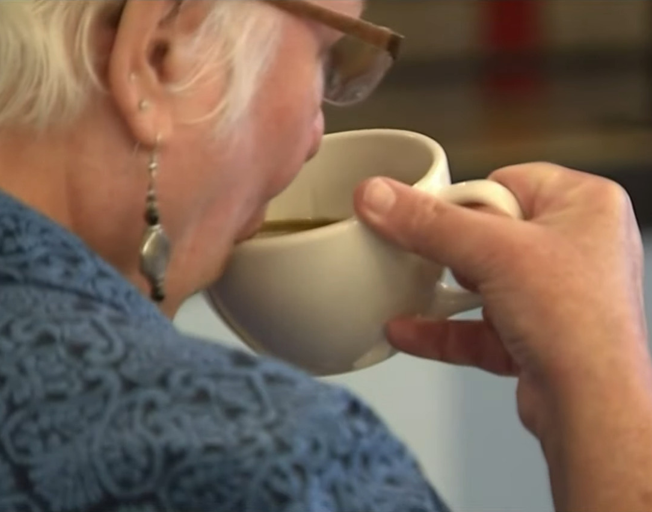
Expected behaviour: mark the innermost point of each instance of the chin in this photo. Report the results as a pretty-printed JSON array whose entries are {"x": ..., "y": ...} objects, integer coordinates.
[{"x": 251, "y": 228}]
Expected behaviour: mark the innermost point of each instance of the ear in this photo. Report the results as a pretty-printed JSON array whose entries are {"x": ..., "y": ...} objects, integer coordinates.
[{"x": 143, "y": 63}]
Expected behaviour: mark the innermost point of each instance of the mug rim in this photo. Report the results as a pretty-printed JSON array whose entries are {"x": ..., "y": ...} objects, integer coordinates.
[{"x": 439, "y": 155}]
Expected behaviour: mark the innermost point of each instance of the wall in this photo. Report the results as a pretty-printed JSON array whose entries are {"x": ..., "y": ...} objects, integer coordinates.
[{"x": 453, "y": 28}]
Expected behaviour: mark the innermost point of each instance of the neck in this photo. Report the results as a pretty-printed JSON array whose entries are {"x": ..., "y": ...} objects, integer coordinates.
[
  {"x": 64, "y": 179},
  {"x": 41, "y": 183}
]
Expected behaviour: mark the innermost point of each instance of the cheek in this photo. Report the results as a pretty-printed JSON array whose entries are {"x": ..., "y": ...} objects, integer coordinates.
[
  {"x": 298, "y": 150},
  {"x": 319, "y": 127},
  {"x": 298, "y": 143},
  {"x": 289, "y": 121}
]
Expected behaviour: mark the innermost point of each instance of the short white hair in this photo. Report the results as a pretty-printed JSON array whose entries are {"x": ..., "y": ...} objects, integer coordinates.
[{"x": 47, "y": 61}]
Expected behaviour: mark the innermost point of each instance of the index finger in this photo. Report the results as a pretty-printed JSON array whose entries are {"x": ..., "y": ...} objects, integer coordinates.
[{"x": 470, "y": 242}]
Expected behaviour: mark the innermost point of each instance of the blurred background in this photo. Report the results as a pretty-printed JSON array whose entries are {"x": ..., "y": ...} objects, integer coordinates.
[
  {"x": 498, "y": 82},
  {"x": 505, "y": 81}
]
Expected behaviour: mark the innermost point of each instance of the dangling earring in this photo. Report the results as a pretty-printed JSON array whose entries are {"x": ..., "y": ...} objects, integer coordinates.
[{"x": 155, "y": 247}]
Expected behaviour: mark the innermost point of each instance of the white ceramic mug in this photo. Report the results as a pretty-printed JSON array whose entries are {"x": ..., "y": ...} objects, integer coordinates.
[{"x": 319, "y": 299}]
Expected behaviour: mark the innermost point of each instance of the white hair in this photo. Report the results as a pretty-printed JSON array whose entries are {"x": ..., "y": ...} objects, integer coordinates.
[{"x": 48, "y": 67}]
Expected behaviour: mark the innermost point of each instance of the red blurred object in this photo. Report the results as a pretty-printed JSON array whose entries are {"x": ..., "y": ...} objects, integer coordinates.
[
  {"x": 513, "y": 28},
  {"x": 513, "y": 25}
]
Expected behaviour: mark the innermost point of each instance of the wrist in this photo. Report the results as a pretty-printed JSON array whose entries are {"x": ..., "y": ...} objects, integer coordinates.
[
  {"x": 596, "y": 436},
  {"x": 600, "y": 384}
]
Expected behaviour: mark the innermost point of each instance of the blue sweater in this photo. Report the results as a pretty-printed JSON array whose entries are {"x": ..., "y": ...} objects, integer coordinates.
[{"x": 105, "y": 406}]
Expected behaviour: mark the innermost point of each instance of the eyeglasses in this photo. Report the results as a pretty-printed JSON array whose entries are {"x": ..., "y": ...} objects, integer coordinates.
[{"x": 356, "y": 63}]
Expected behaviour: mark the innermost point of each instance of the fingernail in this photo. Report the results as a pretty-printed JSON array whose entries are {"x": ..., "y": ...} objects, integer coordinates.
[{"x": 379, "y": 197}]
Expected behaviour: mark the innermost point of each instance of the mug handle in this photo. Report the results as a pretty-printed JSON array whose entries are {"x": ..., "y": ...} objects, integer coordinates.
[{"x": 450, "y": 300}]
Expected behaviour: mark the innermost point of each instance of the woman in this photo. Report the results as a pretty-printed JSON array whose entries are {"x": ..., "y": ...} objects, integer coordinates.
[
  {"x": 128, "y": 127},
  {"x": 139, "y": 141}
]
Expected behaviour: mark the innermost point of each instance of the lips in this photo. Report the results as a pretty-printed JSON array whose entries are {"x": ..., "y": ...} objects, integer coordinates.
[
  {"x": 313, "y": 151},
  {"x": 252, "y": 227},
  {"x": 319, "y": 129}
]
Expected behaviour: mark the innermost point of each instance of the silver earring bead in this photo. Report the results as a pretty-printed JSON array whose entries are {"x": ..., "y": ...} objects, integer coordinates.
[{"x": 155, "y": 248}]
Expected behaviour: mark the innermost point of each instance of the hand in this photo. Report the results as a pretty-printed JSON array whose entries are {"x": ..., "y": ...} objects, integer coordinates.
[{"x": 562, "y": 290}]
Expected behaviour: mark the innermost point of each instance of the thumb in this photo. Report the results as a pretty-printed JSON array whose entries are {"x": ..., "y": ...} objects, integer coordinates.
[{"x": 472, "y": 243}]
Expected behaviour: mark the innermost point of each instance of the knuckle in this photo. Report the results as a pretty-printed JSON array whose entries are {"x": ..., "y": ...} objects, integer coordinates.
[
  {"x": 517, "y": 171},
  {"x": 614, "y": 193},
  {"x": 509, "y": 174},
  {"x": 610, "y": 198}
]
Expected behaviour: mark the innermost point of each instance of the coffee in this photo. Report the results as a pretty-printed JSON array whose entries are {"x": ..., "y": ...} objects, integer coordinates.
[{"x": 289, "y": 226}]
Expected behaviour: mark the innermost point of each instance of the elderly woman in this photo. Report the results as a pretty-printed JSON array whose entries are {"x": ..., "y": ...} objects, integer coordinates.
[
  {"x": 130, "y": 130},
  {"x": 139, "y": 141}
]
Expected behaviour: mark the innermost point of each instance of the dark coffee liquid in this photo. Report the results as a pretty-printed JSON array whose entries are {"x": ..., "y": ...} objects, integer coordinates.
[{"x": 288, "y": 226}]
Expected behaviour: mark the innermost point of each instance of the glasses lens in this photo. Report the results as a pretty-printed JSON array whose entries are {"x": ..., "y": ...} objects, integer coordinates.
[{"x": 353, "y": 70}]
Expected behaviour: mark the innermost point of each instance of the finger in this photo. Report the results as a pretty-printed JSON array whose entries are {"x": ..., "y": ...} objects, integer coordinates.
[
  {"x": 463, "y": 343},
  {"x": 462, "y": 280},
  {"x": 540, "y": 186},
  {"x": 470, "y": 242}
]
